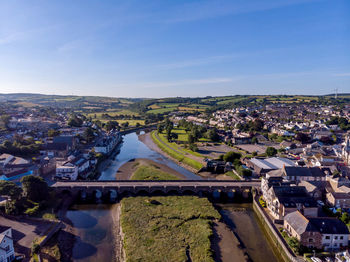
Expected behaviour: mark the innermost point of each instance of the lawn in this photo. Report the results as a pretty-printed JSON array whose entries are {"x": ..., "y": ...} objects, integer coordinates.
[
  {"x": 144, "y": 172},
  {"x": 233, "y": 175},
  {"x": 173, "y": 228}
]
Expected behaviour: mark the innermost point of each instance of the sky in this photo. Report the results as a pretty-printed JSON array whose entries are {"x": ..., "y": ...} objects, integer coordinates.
[{"x": 167, "y": 48}]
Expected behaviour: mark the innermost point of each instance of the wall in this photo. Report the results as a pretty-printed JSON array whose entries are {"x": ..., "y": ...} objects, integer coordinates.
[{"x": 276, "y": 239}]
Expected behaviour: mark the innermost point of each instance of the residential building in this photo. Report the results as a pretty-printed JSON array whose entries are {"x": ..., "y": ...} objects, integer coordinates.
[
  {"x": 7, "y": 252},
  {"x": 317, "y": 232}
]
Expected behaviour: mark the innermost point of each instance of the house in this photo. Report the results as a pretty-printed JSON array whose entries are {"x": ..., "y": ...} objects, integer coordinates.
[
  {"x": 13, "y": 168},
  {"x": 10, "y": 163},
  {"x": 315, "y": 189},
  {"x": 297, "y": 173},
  {"x": 106, "y": 144},
  {"x": 282, "y": 200},
  {"x": 67, "y": 170},
  {"x": 317, "y": 232},
  {"x": 7, "y": 252},
  {"x": 346, "y": 150},
  {"x": 338, "y": 191},
  {"x": 241, "y": 140}
]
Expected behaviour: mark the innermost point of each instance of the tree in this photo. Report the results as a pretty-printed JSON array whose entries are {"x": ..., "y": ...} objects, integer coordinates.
[
  {"x": 35, "y": 188},
  {"x": 257, "y": 125},
  {"x": 88, "y": 134},
  {"x": 160, "y": 128},
  {"x": 53, "y": 132},
  {"x": 111, "y": 125},
  {"x": 10, "y": 189},
  {"x": 345, "y": 218},
  {"x": 191, "y": 139},
  {"x": 271, "y": 151},
  {"x": 254, "y": 140},
  {"x": 75, "y": 121},
  {"x": 212, "y": 135},
  {"x": 302, "y": 137},
  {"x": 231, "y": 156}
]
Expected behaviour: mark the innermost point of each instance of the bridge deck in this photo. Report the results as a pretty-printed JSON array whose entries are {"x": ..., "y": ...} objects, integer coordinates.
[{"x": 137, "y": 183}]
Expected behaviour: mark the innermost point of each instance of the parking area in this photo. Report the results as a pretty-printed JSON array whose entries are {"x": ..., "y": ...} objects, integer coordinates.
[{"x": 24, "y": 231}]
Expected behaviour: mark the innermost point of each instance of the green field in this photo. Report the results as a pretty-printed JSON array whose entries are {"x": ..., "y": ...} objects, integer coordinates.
[
  {"x": 166, "y": 228},
  {"x": 144, "y": 172}
]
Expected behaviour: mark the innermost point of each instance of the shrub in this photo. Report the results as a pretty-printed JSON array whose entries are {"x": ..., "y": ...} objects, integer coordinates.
[
  {"x": 32, "y": 211},
  {"x": 262, "y": 202},
  {"x": 35, "y": 248}
]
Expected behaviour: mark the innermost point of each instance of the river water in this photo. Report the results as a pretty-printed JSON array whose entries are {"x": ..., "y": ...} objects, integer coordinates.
[
  {"x": 94, "y": 222},
  {"x": 132, "y": 148}
]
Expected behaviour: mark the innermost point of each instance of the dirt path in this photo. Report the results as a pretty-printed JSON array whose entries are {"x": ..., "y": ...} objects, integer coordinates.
[{"x": 126, "y": 171}]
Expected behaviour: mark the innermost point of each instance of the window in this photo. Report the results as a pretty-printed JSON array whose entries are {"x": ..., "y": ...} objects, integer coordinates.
[
  {"x": 341, "y": 237},
  {"x": 311, "y": 240},
  {"x": 336, "y": 237},
  {"x": 327, "y": 237}
]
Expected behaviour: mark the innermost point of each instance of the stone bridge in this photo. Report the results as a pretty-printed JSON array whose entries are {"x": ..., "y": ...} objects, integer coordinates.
[{"x": 114, "y": 189}]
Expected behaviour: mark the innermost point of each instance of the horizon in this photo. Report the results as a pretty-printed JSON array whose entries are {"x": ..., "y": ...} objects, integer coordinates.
[
  {"x": 145, "y": 98},
  {"x": 163, "y": 49}
]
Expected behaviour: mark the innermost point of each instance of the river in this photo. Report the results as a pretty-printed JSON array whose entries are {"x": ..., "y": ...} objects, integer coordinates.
[
  {"x": 94, "y": 222},
  {"x": 132, "y": 148}
]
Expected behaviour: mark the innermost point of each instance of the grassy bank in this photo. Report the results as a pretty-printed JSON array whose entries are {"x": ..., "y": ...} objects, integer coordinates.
[
  {"x": 175, "y": 154},
  {"x": 144, "y": 172},
  {"x": 173, "y": 228}
]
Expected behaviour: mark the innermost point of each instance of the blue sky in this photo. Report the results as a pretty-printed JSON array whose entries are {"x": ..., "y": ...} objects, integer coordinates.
[{"x": 170, "y": 48}]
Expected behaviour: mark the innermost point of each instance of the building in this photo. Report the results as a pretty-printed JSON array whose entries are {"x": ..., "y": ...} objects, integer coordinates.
[
  {"x": 67, "y": 170},
  {"x": 338, "y": 191},
  {"x": 346, "y": 150},
  {"x": 262, "y": 166},
  {"x": 317, "y": 232},
  {"x": 108, "y": 143},
  {"x": 7, "y": 252},
  {"x": 298, "y": 174},
  {"x": 282, "y": 200}
]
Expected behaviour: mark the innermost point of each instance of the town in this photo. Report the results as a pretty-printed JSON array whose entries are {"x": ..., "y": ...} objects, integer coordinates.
[{"x": 295, "y": 155}]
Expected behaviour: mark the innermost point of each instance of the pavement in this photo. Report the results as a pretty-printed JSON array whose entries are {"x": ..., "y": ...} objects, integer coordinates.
[{"x": 24, "y": 231}]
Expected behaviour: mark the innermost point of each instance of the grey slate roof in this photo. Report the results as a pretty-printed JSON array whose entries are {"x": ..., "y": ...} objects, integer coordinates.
[{"x": 324, "y": 225}]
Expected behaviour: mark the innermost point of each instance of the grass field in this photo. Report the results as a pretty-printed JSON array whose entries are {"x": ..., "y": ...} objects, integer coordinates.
[
  {"x": 144, "y": 172},
  {"x": 179, "y": 157},
  {"x": 173, "y": 228},
  {"x": 182, "y": 137}
]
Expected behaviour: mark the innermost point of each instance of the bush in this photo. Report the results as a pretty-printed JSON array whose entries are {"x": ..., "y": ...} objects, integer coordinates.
[
  {"x": 231, "y": 156},
  {"x": 262, "y": 202},
  {"x": 271, "y": 151},
  {"x": 32, "y": 211},
  {"x": 35, "y": 248}
]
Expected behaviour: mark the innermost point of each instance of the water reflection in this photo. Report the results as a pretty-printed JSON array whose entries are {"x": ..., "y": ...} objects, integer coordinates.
[{"x": 94, "y": 227}]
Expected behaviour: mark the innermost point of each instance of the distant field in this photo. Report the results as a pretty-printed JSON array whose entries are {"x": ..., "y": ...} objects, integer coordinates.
[
  {"x": 168, "y": 228},
  {"x": 112, "y": 113}
]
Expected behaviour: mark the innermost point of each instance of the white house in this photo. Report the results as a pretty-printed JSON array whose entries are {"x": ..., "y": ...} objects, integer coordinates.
[
  {"x": 7, "y": 252},
  {"x": 67, "y": 170}
]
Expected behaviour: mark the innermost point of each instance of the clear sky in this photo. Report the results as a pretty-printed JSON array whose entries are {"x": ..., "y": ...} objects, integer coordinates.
[{"x": 162, "y": 48}]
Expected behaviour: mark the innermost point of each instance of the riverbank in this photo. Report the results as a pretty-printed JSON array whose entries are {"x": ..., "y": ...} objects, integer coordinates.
[
  {"x": 126, "y": 171},
  {"x": 147, "y": 140}
]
